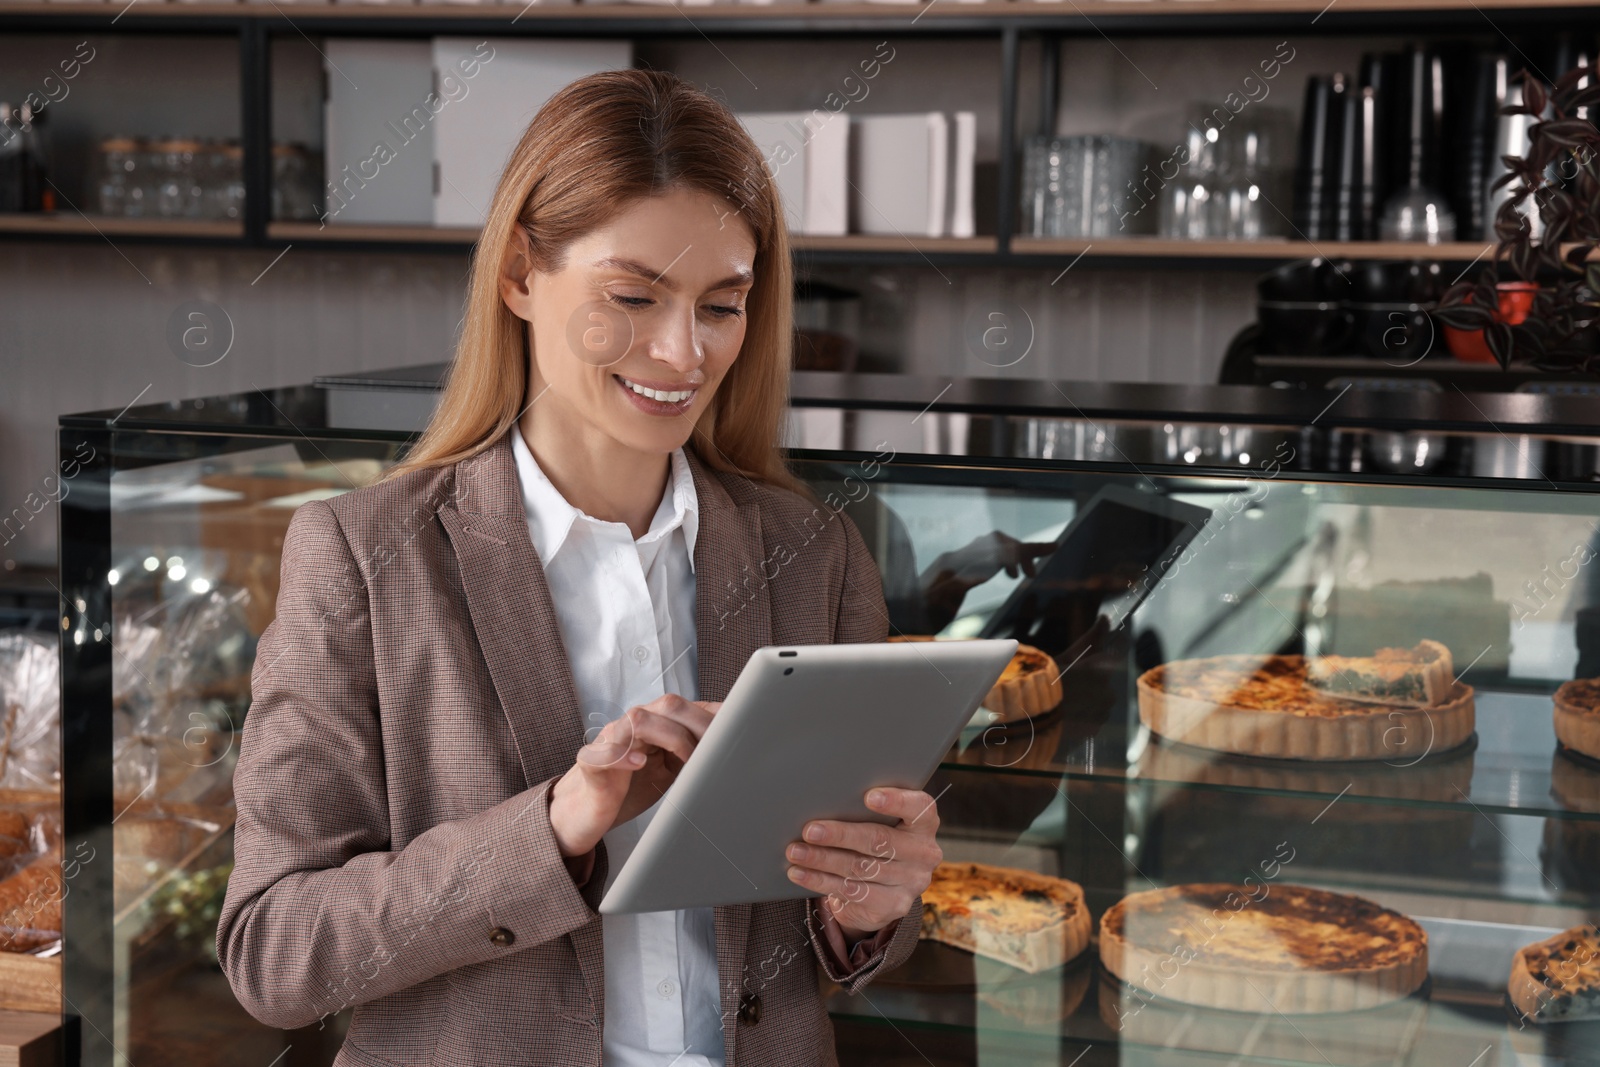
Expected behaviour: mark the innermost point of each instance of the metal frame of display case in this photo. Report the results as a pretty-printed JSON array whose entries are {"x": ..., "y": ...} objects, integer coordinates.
[{"x": 150, "y": 435}]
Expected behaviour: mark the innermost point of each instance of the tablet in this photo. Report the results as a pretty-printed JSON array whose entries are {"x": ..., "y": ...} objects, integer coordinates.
[
  {"x": 804, "y": 732},
  {"x": 1107, "y": 560}
]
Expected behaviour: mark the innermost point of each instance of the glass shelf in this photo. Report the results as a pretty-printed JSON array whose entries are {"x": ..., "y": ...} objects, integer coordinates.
[
  {"x": 1513, "y": 765},
  {"x": 1079, "y": 1011}
]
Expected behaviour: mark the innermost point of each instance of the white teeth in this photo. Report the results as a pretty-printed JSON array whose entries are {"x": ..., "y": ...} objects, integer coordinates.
[{"x": 672, "y": 397}]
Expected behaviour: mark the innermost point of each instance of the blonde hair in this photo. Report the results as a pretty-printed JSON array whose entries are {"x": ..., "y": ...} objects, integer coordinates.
[{"x": 599, "y": 144}]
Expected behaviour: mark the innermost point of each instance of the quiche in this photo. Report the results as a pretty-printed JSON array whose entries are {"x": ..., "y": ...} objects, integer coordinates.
[
  {"x": 1030, "y": 685},
  {"x": 1031, "y": 921},
  {"x": 1578, "y": 716},
  {"x": 1558, "y": 979},
  {"x": 1288, "y": 947},
  {"x": 1261, "y": 705},
  {"x": 1409, "y": 677}
]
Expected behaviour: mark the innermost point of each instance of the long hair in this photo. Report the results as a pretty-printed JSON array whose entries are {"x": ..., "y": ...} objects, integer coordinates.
[{"x": 596, "y": 146}]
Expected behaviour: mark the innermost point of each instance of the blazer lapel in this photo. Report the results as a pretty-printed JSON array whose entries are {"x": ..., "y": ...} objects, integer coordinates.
[
  {"x": 512, "y": 612},
  {"x": 733, "y": 618},
  {"x": 517, "y": 628}
]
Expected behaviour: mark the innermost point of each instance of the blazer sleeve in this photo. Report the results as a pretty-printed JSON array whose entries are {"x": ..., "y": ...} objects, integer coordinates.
[
  {"x": 321, "y": 913},
  {"x": 863, "y": 616}
]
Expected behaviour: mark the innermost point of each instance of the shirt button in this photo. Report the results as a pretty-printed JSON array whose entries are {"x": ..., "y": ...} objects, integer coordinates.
[
  {"x": 502, "y": 937},
  {"x": 641, "y": 653},
  {"x": 666, "y": 988}
]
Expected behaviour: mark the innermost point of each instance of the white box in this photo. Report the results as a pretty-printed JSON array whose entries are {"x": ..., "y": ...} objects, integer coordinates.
[
  {"x": 807, "y": 153},
  {"x": 475, "y": 133},
  {"x": 379, "y": 128},
  {"x": 899, "y": 166}
]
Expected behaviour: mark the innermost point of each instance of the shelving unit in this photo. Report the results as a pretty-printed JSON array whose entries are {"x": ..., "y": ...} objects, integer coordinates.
[{"x": 1009, "y": 22}]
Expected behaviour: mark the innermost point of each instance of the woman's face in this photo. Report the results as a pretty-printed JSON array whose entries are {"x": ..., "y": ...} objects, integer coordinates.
[{"x": 653, "y": 300}]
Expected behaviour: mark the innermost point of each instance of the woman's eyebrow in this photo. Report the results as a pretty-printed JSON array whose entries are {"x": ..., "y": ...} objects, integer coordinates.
[{"x": 656, "y": 277}]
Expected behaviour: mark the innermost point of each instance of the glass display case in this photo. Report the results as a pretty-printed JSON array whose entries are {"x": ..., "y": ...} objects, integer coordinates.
[{"x": 1295, "y": 870}]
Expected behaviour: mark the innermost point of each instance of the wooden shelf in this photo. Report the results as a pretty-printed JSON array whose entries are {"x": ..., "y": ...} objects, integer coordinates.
[
  {"x": 857, "y": 242},
  {"x": 909, "y": 251},
  {"x": 1022, "y": 12},
  {"x": 337, "y": 232},
  {"x": 1278, "y": 250},
  {"x": 61, "y": 222},
  {"x": 466, "y": 235}
]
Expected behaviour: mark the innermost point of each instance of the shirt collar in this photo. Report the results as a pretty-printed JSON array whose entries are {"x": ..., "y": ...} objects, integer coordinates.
[{"x": 550, "y": 516}]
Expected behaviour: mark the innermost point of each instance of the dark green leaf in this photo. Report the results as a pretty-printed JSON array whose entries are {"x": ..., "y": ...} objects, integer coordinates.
[
  {"x": 1464, "y": 316},
  {"x": 1497, "y": 335}
]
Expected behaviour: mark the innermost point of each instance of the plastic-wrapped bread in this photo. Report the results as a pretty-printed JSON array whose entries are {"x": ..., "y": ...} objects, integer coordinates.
[
  {"x": 14, "y": 840},
  {"x": 30, "y": 906}
]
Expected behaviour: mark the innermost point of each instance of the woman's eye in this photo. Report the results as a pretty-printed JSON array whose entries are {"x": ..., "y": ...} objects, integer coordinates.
[
  {"x": 724, "y": 312},
  {"x": 629, "y": 301}
]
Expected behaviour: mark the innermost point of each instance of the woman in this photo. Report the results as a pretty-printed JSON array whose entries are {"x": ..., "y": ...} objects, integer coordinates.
[{"x": 485, "y": 669}]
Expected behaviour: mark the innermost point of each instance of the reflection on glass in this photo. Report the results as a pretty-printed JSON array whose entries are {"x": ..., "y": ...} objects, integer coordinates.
[
  {"x": 196, "y": 549},
  {"x": 1483, "y": 840}
]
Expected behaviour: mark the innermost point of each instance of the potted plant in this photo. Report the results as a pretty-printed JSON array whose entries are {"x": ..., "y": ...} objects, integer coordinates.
[{"x": 1547, "y": 312}]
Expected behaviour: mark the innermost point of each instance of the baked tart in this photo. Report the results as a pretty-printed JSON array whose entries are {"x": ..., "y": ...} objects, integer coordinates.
[
  {"x": 1420, "y": 677},
  {"x": 1261, "y": 705},
  {"x": 1286, "y": 948},
  {"x": 1029, "y": 686},
  {"x": 1558, "y": 979},
  {"x": 1578, "y": 716},
  {"x": 1028, "y": 920}
]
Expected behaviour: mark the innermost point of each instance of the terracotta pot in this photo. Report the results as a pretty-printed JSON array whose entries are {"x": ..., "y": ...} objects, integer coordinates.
[{"x": 1515, "y": 301}]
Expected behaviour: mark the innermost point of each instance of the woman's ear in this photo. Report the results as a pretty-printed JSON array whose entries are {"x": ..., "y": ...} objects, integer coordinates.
[{"x": 516, "y": 274}]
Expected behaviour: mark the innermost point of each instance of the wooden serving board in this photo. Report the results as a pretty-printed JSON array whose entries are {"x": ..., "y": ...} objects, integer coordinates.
[
  {"x": 30, "y": 1039},
  {"x": 30, "y": 983}
]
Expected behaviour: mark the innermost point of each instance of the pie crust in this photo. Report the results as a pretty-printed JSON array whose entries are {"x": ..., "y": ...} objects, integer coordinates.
[
  {"x": 1578, "y": 716},
  {"x": 1558, "y": 978},
  {"x": 1254, "y": 705},
  {"x": 1031, "y": 921},
  {"x": 1289, "y": 948},
  {"x": 1030, "y": 685}
]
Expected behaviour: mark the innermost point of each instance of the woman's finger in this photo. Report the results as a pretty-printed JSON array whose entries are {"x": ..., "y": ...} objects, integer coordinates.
[
  {"x": 689, "y": 713},
  {"x": 608, "y": 755},
  {"x": 888, "y": 870},
  {"x": 646, "y": 729},
  {"x": 874, "y": 901},
  {"x": 916, "y": 809}
]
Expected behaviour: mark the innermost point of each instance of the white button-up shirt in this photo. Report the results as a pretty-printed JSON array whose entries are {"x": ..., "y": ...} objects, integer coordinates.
[{"x": 626, "y": 611}]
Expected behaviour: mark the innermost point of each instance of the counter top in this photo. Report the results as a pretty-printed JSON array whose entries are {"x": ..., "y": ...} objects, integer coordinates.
[{"x": 1563, "y": 409}]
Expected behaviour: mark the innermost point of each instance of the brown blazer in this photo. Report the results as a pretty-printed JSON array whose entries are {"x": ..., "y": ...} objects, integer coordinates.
[{"x": 412, "y": 704}]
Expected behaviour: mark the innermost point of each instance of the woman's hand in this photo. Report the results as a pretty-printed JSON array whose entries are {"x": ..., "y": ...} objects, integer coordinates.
[
  {"x": 870, "y": 872},
  {"x": 625, "y": 769},
  {"x": 948, "y": 579}
]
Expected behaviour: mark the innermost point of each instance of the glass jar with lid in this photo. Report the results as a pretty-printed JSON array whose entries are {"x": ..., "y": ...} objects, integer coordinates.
[
  {"x": 178, "y": 193},
  {"x": 213, "y": 167},
  {"x": 231, "y": 179},
  {"x": 144, "y": 180},
  {"x": 294, "y": 181},
  {"x": 118, "y": 173}
]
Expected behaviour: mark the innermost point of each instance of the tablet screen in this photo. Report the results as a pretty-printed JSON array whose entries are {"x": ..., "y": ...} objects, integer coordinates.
[{"x": 1103, "y": 566}]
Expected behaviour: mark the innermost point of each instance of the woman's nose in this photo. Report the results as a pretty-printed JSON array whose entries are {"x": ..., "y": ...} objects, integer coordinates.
[{"x": 677, "y": 343}]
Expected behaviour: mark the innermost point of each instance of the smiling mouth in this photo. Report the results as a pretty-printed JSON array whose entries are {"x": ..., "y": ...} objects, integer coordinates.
[{"x": 664, "y": 396}]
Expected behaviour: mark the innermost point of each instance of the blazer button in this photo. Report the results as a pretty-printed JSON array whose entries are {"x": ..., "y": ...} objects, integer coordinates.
[
  {"x": 502, "y": 937},
  {"x": 750, "y": 1009}
]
